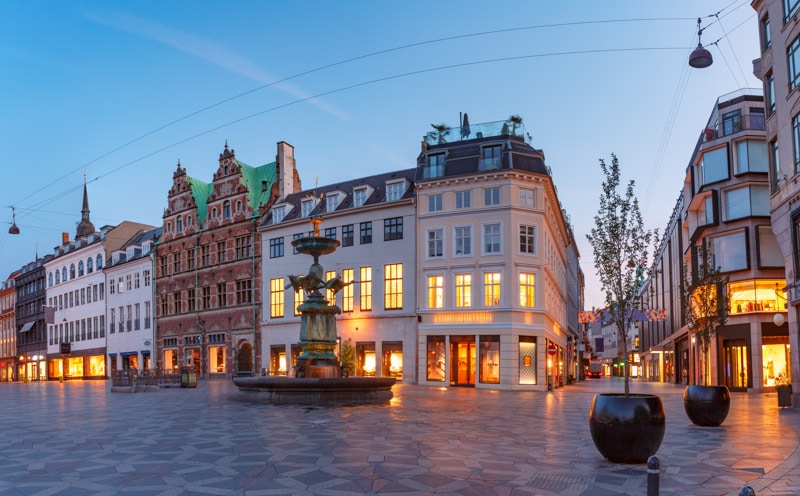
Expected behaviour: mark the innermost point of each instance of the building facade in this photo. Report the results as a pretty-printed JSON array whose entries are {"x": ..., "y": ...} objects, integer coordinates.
[
  {"x": 725, "y": 206},
  {"x": 31, "y": 287},
  {"x": 208, "y": 265},
  {"x": 374, "y": 220},
  {"x": 130, "y": 339},
  {"x": 493, "y": 265},
  {"x": 8, "y": 328}
]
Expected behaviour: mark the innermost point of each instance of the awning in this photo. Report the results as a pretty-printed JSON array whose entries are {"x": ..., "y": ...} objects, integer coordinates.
[
  {"x": 112, "y": 354},
  {"x": 128, "y": 353},
  {"x": 145, "y": 352},
  {"x": 27, "y": 327}
]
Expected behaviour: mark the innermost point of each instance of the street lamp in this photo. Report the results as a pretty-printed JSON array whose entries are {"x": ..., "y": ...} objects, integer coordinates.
[{"x": 700, "y": 57}]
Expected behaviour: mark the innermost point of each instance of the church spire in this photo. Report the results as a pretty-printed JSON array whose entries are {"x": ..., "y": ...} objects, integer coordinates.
[{"x": 85, "y": 227}]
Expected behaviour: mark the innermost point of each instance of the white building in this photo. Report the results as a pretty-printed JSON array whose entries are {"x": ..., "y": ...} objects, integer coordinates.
[
  {"x": 374, "y": 219},
  {"x": 129, "y": 314}
]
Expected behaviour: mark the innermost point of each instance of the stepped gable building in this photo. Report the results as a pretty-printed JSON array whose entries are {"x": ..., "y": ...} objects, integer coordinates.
[
  {"x": 492, "y": 281},
  {"x": 208, "y": 264},
  {"x": 373, "y": 218}
]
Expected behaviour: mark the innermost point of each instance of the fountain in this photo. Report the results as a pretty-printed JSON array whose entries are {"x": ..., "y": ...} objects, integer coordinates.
[{"x": 318, "y": 377}]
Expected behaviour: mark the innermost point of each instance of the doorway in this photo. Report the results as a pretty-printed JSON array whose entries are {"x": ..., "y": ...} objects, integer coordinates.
[
  {"x": 244, "y": 362},
  {"x": 735, "y": 366},
  {"x": 462, "y": 361}
]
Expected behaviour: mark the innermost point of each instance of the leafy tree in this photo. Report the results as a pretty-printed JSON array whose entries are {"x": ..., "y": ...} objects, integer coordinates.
[
  {"x": 440, "y": 131},
  {"x": 704, "y": 303},
  {"x": 620, "y": 243},
  {"x": 347, "y": 357},
  {"x": 515, "y": 121}
]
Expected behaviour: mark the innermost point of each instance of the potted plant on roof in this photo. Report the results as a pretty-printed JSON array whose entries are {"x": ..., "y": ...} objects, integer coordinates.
[
  {"x": 440, "y": 132},
  {"x": 706, "y": 311},
  {"x": 625, "y": 428}
]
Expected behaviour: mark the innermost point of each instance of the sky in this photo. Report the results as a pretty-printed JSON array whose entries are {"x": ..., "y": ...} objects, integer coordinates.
[{"x": 119, "y": 92}]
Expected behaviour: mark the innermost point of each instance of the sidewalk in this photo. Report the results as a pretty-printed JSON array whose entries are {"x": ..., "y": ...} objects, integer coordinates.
[{"x": 78, "y": 438}]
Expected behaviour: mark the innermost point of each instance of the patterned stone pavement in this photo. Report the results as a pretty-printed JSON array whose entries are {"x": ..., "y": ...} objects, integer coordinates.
[{"x": 80, "y": 439}]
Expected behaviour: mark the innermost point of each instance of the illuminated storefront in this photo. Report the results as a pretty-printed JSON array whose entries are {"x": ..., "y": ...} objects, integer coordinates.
[{"x": 77, "y": 367}]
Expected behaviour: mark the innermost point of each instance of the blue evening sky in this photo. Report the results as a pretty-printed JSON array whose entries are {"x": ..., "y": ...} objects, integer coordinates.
[{"x": 124, "y": 90}]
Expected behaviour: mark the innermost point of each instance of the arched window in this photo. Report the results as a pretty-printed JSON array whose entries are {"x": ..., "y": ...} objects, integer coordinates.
[
  {"x": 58, "y": 277},
  {"x": 72, "y": 271},
  {"x": 64, "y": 274},
  {"x": 179, "y": 223},
  {"x": 226, "y": 209},
  {"x": 89, "y": 265},
  {"x": 50, "y": 279},
  {"x": 238, "y": 206},
  {"x": 189, "y": 221},
  {"x": 80, "y": 268},
  {"x": 99, "y": 262},
  {"x": 169, "y": 227},
  {"x": 214, "y": 213}
]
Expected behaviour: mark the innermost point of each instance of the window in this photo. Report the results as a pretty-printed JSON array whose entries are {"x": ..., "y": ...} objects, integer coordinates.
[
  {"x": 365, "y": 288},
  {"x": 226, "y": 209},
  {"x": 527, "y": 239},
  {"x": 527, "y": 197},
  {"x": 491, "y": 196},
  {"x": 191, "y": 256},
  {"x": 359, "y": 197},
  {"x": 221, "y": 252},
  {"x": 244, "y": 247},
  {"x": 747, "y": 201},
  {"x": 489, "y": 359},
  {"x": 775, "y": 164},
  {"x": 491, "y": 289},
  {"x": 128, "y": 282},
  {"x": 393, "y": 228},
  {"x": 179, "y": 223},
  {"x": 793, "y": 57},
  {"x": 463, "y": 240},
  {"x": 176, "y": 262},
  {"x": 72, "y": 271},
  {"x": 239, "y": 206},
  {"x": 176, "y": 301},
  {"x": 435, "y": 166},
  {"x": 330, "y": 232},
  {"x": 348, "y": 235},
  {"x": 435, "y": 243},
  {"x": 206, "y": 297},
  {"x": 276, "y": 298},
  {"x": 491, "y": 158},
  {"x": 307, "y": 207},
  {"x": 789, "y": 9},
  {"x": 222, "y": 295},
  {"x": 146, "y": 275},
  {"x": 365, "y": 233},
  {"x": 295, "y": 237},
  {"x": 463, "y": 199},
  {"x": 796, "y": 241},
  {"x": 394, "y": 191},
  {"x": 770, "y": 96},
  {"x": 730, "y": 251},
  {"x": 89, "y": 265},
  {"x": 332, "y": 201},
  {"x": 751, "y": 156},
  {"x": 705, "y": 216},
  {"x": 795, "y": 143},
  {"x": 278, "y": 213},
  {"x": 191, "y": 300},
  {"x": 731, "y": 122},
  {"x": 99, "y": 262},
  {"x": 112, "y": 288},
  {"x": 491, "y": 239},
  {"x": 330, "y": 295},
  {"x": 527, "y": 289},
  {"x": 64, "y": 274},
  {"x": 80, "y": 268},
  {"x": 393, "y": 286},
  {"x": 205, "y": 253},
  {"x": 347, "y": 290},
  {"x": 435, "y": 203},
  {"x": 766, "y": 36},
  {"x": 769, "y": 253},
  {"x": 714, "y": 166},
  {"x": 299, "y": 297},
  {"x": 112, "y": 318},
  {"x": 436, "y": 358},
  {"x": 436, "y": 291},
  {"x": 244, "y": 293},
  {"x": 146, "y": 315},
  {"x": 275, "y": 247},
  {"x": 463, "y": 290}
]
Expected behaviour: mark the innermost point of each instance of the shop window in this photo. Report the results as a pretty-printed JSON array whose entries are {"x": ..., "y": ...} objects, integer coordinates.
[
  {"x": 365, "y": 359},
  {"x": 216, "y": 359},
  {"x": 527, "y": 360},
  {"x": 392, "y": 363},
  {"x": 760, "y": 295},
  {"x": 170, "y": 359},
  {"x": 435, "y": 291},
  {"x": 435, "y": 359},
  {"x": 489, "y": 359},
  {"x": 775, "y": 360}
]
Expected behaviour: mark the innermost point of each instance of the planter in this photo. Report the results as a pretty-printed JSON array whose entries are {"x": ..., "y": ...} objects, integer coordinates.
[
  {"x": 627, "y": 429},
  {"x": 784, "y": 395},
  {"x": 707, "y": 406}
]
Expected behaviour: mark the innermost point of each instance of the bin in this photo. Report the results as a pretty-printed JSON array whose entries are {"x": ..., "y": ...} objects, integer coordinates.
[
  {"x": 188, "y": 377},
  {"x": 784, "y": 395}
]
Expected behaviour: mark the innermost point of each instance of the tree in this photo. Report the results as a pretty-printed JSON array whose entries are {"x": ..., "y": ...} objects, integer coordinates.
[
  {"x": 704, "y": 303},
  {"x": 347, "y": 357},
  {"x": 515, "y": 121},
  {"x": 441, "y": 130},
  {"x": 620, "y": 244}
]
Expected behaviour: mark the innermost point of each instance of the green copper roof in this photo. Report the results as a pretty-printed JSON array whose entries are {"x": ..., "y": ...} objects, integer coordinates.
[
  {"x": 256, "y": 178},
  {"x": 200, "y": 192}
]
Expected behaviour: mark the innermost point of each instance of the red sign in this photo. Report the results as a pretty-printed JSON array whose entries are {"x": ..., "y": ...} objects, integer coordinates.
[{"x": 551, "y": 349}]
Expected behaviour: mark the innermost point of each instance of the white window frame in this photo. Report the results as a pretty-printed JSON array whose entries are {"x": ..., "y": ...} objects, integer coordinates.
[
  {"x": 435, "y": 243},
  {"x": 467, "y": 251},
  {"x": 498, "y": 234}
]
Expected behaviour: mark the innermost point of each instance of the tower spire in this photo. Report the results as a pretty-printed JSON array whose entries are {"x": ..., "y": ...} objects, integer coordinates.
[{"x": 85, "y": 227}]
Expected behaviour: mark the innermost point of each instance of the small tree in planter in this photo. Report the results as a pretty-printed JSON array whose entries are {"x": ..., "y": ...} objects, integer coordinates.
[
  {"x": 347, "y": 357},
  {"x": 625, "y": 428},
  {"x": 706, "y": 309}
]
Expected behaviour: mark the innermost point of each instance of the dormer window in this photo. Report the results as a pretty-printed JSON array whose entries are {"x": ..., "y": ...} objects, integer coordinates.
[
  {"x": 491, "y": 158},
  {"x": 146, "y": 247},
  {"x": 278, "y": 214},
  {"x": 307, "y": 206},
  {"x": 434, "y": 167},
  {"x": 332, "y": 201},
  {"x": 395, "y": 191},
  {"x": 359, "y": 197}
]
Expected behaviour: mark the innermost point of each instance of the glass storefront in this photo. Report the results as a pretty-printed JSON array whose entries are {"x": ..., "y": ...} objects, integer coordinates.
[
  {"x": 527, "y": 360},
  {"x": 490, "y": 359},
  {"x": 171, "y": 360},
  {"x": 216, "y": 359},
  {"x": 462, "y": 360},
  {"x": 277, "y": 360},
  {"x": 775, "y": 360},
  {"x": 736, "y": 354},
  {"x": 435, "y": 359},
  {"x": 392, "y": 363},
  {"x": 365, "y": 359},
  {"x": 759, "y": 295}
]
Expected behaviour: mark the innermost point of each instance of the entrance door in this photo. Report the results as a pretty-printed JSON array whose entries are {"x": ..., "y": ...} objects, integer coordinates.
[
  {"x": 462, "y": 362},
  {"x": 736, "y": 364},
  {"x": 244, "y": 362}
]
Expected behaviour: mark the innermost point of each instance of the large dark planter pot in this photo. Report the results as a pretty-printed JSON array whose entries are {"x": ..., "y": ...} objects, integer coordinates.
[
  {"x": 627, "y": 429},
  {"x": 707, "y": 406}
]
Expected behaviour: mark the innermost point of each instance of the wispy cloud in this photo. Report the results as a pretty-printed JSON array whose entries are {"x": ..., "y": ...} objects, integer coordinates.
[{"x": 205, "y": 49}]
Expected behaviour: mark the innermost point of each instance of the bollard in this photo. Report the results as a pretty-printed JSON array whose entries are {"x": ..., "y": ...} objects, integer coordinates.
[
  {"x": 653, "y": 466},
  {"x": 747, "y": 491}
]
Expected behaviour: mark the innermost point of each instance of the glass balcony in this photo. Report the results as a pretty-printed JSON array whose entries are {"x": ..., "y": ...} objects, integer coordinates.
[{"x": 477, "y": 131}]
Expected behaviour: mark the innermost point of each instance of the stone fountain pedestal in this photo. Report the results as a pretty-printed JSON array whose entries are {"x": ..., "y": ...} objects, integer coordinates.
[{"x": 318, "y": 378}]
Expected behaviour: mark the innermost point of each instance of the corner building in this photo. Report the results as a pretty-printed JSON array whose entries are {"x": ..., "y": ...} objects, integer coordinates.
[
  {"x": 492, "y": 263},
  {"x": 208, "y": 264}
]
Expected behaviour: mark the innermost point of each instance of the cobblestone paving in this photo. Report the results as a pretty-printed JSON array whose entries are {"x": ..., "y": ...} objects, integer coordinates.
[{"x": 80, "y": 439}]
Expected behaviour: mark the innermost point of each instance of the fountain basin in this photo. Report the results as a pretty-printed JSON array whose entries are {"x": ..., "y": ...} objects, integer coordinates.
[{"x": 317, "y": 390}]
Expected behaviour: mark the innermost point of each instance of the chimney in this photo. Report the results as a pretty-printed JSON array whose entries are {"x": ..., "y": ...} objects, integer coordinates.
[
  {"x": 286, "y": 168},
  {"x": 64, "y": 238}
]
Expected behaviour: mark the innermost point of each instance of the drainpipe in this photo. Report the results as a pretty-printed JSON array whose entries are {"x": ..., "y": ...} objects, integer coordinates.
[
  {"x": 256, "y": 333},
  {"x": 197, "y": 320}
]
